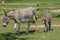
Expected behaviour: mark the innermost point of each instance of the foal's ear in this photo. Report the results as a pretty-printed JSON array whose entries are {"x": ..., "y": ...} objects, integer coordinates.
[{"x": 4, "y": 12}]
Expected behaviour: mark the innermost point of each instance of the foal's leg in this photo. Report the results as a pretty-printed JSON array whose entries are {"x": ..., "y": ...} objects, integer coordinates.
[
  {"x": 50, "y": 27},
  {"x": 46, "y": 27}
]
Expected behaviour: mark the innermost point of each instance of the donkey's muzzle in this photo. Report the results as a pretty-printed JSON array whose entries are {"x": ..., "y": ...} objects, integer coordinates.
[
  {"x": 4, "y": 25},
  {"x": 43, "y": 22}
]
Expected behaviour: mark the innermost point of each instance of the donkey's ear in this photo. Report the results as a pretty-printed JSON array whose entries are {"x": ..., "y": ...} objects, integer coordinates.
[{"x": 4, "y": 12}]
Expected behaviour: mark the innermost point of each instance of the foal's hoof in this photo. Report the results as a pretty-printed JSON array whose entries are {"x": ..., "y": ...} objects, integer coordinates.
[{"x": 51, "y": 30}]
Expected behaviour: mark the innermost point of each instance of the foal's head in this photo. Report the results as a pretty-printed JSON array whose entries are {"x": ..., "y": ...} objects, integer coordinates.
[{"x": 43, "y": 19}]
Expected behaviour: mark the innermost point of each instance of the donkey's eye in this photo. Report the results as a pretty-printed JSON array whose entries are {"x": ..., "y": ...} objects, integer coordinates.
[{"x": 5, "y": 19}]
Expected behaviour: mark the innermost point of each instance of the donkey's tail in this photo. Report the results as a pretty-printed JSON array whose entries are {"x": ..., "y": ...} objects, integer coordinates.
[{"x": 36, "y": 18}]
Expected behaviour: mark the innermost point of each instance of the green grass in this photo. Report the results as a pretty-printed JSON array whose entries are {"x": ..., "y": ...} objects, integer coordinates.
[
  {"x": 43, "y": 5},
  {"x": 40, "y": 35},
  {"x": 54, "y": 35}
]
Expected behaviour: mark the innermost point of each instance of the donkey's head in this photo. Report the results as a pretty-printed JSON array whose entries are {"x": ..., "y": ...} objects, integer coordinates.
[{"x": 5, "y": 19}]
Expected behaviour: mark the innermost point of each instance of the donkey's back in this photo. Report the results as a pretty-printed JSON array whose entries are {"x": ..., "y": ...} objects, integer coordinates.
[{"x": 26, "y": 13}]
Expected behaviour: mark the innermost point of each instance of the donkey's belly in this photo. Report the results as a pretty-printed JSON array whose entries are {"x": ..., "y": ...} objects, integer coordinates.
[{"x": 25, "y": 20}]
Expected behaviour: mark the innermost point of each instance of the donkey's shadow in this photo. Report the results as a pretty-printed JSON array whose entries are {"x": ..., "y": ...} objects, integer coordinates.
[{"x": 24, "y": 32}]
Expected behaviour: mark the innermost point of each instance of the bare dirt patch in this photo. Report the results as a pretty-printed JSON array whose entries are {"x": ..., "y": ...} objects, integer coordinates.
[
  {"x": 55, "y": 10},
  {"x": 42, "y": 26}
]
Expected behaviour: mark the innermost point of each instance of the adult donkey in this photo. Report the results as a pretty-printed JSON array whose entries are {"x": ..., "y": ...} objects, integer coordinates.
[
  {"x": 46, "y": 19},
  {"x": 20, "y": 15}
]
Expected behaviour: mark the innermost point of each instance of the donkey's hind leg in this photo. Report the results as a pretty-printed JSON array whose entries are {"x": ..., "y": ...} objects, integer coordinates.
[
  {"x": 28, "y": 29},
  {"x": 35, "y": 23}
]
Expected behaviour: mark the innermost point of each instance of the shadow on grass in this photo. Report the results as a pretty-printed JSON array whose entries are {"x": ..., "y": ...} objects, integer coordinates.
[
  {"x": 13, "y": 36},
  {"x": 24, "y": 32}
]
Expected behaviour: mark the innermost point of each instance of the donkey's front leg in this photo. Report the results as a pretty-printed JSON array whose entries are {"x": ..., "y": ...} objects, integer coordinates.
[{"x": 15, "y": 26}]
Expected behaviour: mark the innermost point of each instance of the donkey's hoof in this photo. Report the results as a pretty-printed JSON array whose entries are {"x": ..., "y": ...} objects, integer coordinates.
[
  {"x": 27, "y": 32},
  {"x": 45, "y": 31},
  {"x": 18, "y": 33},
  {"x": 36, "y": 30}
]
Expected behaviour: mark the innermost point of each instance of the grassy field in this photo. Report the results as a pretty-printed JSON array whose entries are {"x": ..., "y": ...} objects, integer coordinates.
[
  {"x": 9, "y": 32},
  {"x": 40, "y": 35},
  {"x": 32, "y": 1}
]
